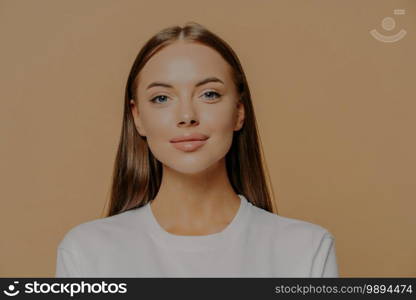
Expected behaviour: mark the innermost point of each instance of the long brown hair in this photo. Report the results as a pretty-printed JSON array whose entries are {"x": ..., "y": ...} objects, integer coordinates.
[{"x": 137, "y": 173}]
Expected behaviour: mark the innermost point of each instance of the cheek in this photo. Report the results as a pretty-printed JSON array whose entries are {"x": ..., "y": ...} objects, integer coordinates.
[
  {"x": 220, "y": 124},
  {"x": 156, "y": 124},
  {"x": 159, "y": 130},
  {"x": 220, "y": 120}
]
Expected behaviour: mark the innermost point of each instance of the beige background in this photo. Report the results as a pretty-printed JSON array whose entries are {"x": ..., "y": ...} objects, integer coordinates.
[{"x": 335, "y": 107}]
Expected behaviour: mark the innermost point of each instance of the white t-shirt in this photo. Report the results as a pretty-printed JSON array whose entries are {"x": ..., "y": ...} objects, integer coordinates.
[{"x": 256, "y": 243}]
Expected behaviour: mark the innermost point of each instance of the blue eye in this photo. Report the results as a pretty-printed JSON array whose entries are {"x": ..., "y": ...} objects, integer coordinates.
[
  {"x": 212, "y": 93},
  {"x": 154, "y": 99}
]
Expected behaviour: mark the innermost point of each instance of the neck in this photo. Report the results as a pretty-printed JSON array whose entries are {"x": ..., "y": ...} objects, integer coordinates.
[{"x": 199, "y": 201}]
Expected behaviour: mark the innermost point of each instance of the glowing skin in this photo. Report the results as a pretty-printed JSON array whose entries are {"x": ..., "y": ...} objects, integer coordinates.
[{"x": 195, "y": 197}]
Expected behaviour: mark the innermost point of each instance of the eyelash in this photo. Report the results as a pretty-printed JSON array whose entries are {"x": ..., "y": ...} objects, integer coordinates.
[{"x": 153, "y": 99}]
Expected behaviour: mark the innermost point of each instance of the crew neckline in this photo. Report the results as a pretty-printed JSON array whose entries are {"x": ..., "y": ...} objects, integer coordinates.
[{"x": 199, "y": 242}]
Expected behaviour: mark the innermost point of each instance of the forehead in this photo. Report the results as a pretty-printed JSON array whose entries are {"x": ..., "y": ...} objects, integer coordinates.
[{"x": 185, "y": 63}]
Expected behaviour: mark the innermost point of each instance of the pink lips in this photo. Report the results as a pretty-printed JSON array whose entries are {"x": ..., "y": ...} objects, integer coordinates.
[{"x": 190, "y": 142}]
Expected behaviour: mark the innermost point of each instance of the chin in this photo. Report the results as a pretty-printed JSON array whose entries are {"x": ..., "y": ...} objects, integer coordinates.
[
  {"x": 194, "y": 162},
  {"x": 189, "y": 168},
  {"x": 191, "y": 165}
]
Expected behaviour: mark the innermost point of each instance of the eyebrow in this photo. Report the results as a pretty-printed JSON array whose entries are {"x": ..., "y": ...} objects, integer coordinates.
[{"x": 202, "y": 82}]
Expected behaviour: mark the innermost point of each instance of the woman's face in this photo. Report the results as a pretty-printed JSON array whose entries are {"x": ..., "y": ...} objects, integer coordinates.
[{"x": 186, "y": 88}]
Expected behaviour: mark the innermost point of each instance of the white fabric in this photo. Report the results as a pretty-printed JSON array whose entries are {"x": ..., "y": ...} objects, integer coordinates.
[{"x": 256, "y": 243}]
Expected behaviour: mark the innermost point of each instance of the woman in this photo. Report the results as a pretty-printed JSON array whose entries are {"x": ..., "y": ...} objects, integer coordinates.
[{"x": 189, "y": 195}]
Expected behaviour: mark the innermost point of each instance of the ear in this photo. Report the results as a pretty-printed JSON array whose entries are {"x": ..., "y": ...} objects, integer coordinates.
[
  {"x": 240, "y": 116},
  {"x": 136, "y": 117}
]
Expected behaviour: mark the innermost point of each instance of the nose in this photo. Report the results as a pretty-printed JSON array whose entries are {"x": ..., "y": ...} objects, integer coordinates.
[
  {"x": 187, "y": 120},
  {"x": 187, "y": 114},
  {"x": 190, "y": 122}
]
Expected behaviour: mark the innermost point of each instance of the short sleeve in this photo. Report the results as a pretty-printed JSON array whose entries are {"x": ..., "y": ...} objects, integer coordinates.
[
  {"x": 67, "y": 264},
  {"x": 325, "y": 261}
]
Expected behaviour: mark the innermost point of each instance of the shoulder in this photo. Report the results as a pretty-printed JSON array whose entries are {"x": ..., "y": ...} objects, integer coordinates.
[
  {"x": 101, "y": 231},
  {"x": 289, "y": 231},
  {"x": 300, "y": 247}
]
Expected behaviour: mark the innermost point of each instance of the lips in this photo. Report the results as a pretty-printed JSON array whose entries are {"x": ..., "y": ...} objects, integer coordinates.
[
  {"x": 189, "y": 142},
  {"x": 189, "y": 137}
]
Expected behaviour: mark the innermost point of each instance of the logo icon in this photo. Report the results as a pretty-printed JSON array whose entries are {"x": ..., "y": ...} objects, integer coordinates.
[
  {"x": 11, "y": 292},
  {"x": 388, "y": 24}
]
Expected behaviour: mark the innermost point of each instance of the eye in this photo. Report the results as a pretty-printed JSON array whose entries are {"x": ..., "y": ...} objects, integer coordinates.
[
  {"x": 153, "y": 100},
  {"x": 212, "y": 93},
  {"x": 209, "y": 94}
]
